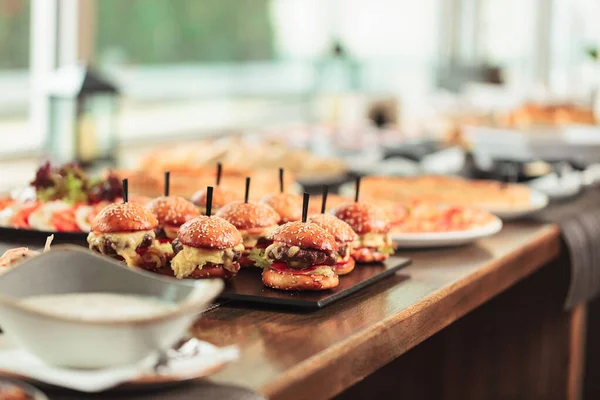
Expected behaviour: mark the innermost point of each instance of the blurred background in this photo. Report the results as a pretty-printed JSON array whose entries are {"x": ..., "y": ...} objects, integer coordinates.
[{"x": 346, "y": 79}]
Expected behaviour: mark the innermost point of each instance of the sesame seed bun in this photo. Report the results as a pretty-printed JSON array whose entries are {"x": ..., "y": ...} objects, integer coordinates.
[
  {"x": 221, "y": 196},
  {"x": 341, "y": 231},
  {"x": 124, "y": 217},
  {"x": 306, "y": 235},
  {"x": 366, "y": 255},
  {"x": 287, "y": 205},
  {"x": 214, "y": 271},
  {"x": 248, "y": 215},
  {"x": 363, "y": 217},
  {"x": 209, "y": 233},
  {"x": 285, "y": 281},
  {"x": 344, "y": 268},
  {"x": 172, "y": 210}
]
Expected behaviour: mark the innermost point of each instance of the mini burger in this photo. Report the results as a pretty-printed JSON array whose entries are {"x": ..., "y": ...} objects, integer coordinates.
[
  {"x": 255, "y": 222},
  {"x": 287, "y": 205},
  {"x": 300, "y": 258},
  {"x": 171, "y": 212},
  {"x": 207, "y": 247},
  {"x": 372, "y": 227},
  {"x": 221, "y": 196},
  {"x": 344, "y": 237},
  {"x": 125, "y": 231}
]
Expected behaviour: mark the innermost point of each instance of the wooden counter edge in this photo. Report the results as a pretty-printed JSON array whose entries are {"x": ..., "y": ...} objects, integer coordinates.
[{"x": 339, "y": 367}]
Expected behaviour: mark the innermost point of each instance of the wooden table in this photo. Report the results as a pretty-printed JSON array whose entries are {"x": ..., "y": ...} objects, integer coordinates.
[
  {"x": 315, "y": 355},
  {"x": 479, "y": 321}
]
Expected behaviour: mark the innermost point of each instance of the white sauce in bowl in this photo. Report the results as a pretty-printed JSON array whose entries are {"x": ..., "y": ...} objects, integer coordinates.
[{"x": 97, "y": 307}]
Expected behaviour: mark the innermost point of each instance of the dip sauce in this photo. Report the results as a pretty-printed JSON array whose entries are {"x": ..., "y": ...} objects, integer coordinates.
[{"x": 99, "y": 306}]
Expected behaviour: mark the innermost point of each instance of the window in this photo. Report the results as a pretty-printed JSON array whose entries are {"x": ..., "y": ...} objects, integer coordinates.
[
  {"x": 153, "y": 32},
  {"x": 508, "y": 36},
  {"x": 14, "y": 58}
]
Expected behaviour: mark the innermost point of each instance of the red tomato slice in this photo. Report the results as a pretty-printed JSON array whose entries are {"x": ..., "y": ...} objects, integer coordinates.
[
  {"x": 164, "y": 240},
  {"x": 283, "y": 267},
  {"x": 343, "y": 263},
  {"x": 64, "y": 221},
  {"x": 7, "y": 202},
  {"x": 21, "y": 218}
]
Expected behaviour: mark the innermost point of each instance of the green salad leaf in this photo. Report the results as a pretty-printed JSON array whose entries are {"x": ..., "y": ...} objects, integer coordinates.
[
  {"x": 258, "y": 256},
  {"x": 387, "y": 250}
]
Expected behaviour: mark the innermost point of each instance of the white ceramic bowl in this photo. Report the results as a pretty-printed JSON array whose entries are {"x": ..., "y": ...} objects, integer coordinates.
[{"x": 71, "y": 342}]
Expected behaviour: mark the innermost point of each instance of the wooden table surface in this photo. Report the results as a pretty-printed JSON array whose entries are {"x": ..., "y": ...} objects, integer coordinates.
[
  {"x": 290, "y": 354},
  {"x": 314, "y": 355}
]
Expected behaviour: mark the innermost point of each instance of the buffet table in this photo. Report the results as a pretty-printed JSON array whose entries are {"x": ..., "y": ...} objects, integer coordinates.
[
  {"x": 464, "y": 322},
  {"x": 521, "y": 343}
]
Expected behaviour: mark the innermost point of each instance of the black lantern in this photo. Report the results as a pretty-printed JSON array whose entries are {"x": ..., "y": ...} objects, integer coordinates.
[{"x": 82, "y": 117}]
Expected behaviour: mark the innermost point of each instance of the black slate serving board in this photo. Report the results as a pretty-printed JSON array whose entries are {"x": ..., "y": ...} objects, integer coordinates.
[
  {"x": 247, "y": 286},
  {"x": 38, "y": 238}
]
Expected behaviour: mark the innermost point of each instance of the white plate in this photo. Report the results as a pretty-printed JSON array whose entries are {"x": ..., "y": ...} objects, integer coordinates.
[
  {"x": 572, "y": 142},
  {"x": 538, "y": 201},
  {"x": 558, "y": 188},
  {"x": 445, "y": 239}
]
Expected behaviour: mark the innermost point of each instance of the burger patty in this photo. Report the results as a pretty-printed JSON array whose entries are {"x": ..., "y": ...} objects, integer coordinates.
[
  {"x": 177, "y": 247},
  {"x": 306, "y": 257},
  {"x": 342, "y": 251},
  {"x": 160, "y": 233},
  {"x": 108, "y": 246},
  {"x": 263, "y": 241}
]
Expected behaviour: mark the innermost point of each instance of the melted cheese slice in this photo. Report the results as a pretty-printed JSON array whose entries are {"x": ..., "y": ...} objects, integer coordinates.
[
  {"x": 171, "y": 231},
  {"x": 375, "y": 240},
  {"x": 251, "y": 239},
  {"x": 324, "y": 270},
  {"x": 190, "y": 258},
  {"x": 124, "y": 244}
]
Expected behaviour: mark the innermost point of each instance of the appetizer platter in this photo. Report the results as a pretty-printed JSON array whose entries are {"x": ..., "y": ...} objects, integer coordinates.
[
  {"x": 420, "y": 224},
  {"x": 507, "y": 201},
  {"x": 59, "y": 200},
  {"x": 248, "y": 288},
  {"x": 254, "y": 155}
]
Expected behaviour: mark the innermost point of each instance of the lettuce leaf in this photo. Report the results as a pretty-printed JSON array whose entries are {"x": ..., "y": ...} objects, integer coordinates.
[
  {"x": 75, "y": 190},
  {"x": 258, "y": 256},
  {"x": 387, "y": 250}
]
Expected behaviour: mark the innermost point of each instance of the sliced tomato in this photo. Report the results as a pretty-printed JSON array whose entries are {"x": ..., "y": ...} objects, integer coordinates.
[
  {"x": 64, "y": 221},
  {"x": 21, "y": 218},
  {"x": 343, "y": 263},
  {"x": 6, "y": 202},
  {"x": 164, "y": 240},
  {"x": 244, "y": 260},
  {"x": 283, "y": 267}
]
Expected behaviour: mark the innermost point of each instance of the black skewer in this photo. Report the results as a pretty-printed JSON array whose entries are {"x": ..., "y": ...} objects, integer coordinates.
[
  {"x": 125, "y": 190},
  {"x": 280, "y": 180},
  {"x": 247, "y": 194},
  {"x": 219, "y": 172},
  {"x": 305, "y": 200},
  {"x": 324, "y": 199},
  {"x": 167, "y": 182},
  {"x": 357, "y": 190},
  {"x": 209, "y": 196}
]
